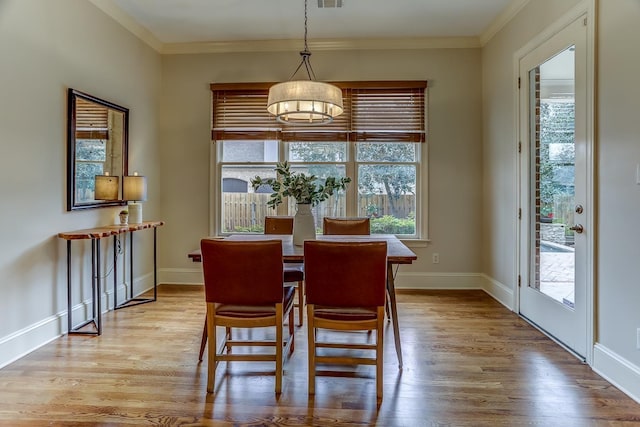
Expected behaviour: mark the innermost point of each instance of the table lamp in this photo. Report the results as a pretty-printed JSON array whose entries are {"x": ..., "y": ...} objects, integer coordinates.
[
  {"x": 134, "y": 190},
  {"x": 106, "y": 187}
]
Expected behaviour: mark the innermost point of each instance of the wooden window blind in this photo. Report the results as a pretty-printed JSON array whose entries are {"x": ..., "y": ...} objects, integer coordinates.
[
  {"x": 383, "y": 111},
  {"x": 92, "y": 120}
]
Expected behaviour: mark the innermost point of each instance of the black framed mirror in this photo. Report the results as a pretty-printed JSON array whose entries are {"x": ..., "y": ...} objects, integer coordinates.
[{"x": 97, "y": 144}]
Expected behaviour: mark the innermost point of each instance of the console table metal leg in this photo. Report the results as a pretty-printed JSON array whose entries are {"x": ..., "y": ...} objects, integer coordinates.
[
  {"x": 93, "y": 277},
  {"x": 131, "y": 301},
  {"x": 130, "y": 265},
  {"x": 394, "y": 312},
  {"x": 96, "y": 306},
  {"x": 69, "y": 308},
  {"x": 97, "y": 302},
  {"x": 155, "y": 264},
  {"x": 115, "y": 272}
]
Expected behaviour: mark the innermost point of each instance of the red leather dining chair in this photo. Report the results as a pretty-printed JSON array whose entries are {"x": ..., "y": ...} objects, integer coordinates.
[
  {"x": 278, "y": 225},
  {"x": 238, "y": 297},
  {"x": 293, "y": 272},
  {"x": 353, "y": 226},
  {"x": 345, "y": 295},
  {"x": 346, "y": 226}
]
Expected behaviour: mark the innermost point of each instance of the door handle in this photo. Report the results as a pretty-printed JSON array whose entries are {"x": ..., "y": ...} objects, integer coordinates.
[{"x": 578, "y": 228}]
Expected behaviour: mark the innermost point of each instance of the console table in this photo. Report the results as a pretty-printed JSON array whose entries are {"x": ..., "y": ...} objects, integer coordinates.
[{"x": 95, "y": 234}]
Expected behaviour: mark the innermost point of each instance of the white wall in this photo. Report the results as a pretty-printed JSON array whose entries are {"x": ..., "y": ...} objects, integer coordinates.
[
  {"x": 618, "y": 269},
  {"x": 454, "y": 148},
  {"x": 500, "y": 141},
  {"x": 46, "y": 47},
  {"x": 617, "y": 303}
]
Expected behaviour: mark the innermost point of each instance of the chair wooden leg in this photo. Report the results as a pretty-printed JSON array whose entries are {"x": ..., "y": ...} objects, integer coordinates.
[
  {"x": 203, "y": 342},
  {"x": 311, "y": 340},
  {"x": 279, "y": 344},
  {"x": 379, "y": 353},
  {"x": 300, "y": 302},
  {"x": 211, "y": 360}
]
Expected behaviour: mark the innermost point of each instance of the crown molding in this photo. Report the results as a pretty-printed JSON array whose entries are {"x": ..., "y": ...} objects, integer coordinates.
[
  {"x": 320, "y": 45},
  {"x": 502, "y": 20},
  {"x": 110, "y": 8}
]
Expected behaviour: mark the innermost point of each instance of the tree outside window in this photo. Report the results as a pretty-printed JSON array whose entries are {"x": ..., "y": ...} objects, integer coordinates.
[{"x": 557, "y": 161}]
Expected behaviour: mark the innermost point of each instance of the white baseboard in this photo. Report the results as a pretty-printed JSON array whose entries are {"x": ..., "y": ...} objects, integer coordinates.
[
  {"x": 439, "y": 281},
  {"x": 617, "y": 370},
  {"x": 499, "y": 291},
  {"x": 181, "y": 276},
  {"x": 193, "y": 276},
  {"x": 26, "y": 340},
  {"x": 20, "y": 343}
]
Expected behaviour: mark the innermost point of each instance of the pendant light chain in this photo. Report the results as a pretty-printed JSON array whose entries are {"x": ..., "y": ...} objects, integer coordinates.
[
  {"x": 305, "y": 102},
  {"x": 306, "y": 48},
  {"x": 306, "y": 54}
]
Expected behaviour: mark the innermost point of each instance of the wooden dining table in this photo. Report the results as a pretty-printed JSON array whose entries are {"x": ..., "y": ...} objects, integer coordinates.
[{"x": 397, "y": 253}]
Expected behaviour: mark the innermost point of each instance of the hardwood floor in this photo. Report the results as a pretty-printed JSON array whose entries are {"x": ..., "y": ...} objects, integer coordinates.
[{"x": 468, "y": 361}]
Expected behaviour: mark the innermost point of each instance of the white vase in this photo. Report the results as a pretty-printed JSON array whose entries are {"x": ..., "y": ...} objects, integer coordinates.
[{"x": 304, "y": 227}]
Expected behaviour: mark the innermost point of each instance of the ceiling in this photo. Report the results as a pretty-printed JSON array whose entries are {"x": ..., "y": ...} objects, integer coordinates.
[{"x": 172, "y": 25}]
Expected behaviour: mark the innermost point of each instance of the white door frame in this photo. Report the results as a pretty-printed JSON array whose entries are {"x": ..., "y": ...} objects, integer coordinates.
[{"x": 587, "y": 7}]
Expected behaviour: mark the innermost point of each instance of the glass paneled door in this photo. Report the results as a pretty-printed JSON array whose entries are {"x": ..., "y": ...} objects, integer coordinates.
[{"x": 554, "y": 178}]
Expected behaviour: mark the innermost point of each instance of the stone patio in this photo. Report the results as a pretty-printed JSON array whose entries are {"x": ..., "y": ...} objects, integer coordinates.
[{"x": 557, "y": 275}]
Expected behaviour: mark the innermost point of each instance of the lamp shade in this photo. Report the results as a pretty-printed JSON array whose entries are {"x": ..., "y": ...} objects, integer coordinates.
[
  {"x": 305, "y": 102},
  {"x": 106, "y": 187},
  {"x": 134, "y": 187}
]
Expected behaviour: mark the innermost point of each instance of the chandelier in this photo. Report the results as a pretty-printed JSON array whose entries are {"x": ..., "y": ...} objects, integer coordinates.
[{"x": 305, "y": 102}]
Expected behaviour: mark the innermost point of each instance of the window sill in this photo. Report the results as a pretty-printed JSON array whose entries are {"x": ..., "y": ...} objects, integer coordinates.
[{"x": 416, "y": 243}]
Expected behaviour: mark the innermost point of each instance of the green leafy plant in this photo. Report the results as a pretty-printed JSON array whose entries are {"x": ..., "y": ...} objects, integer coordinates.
[
  {"x": 124, "y": 212},
  {"x": 305, "y": 189},
  {"x": 390, "y": 225}
]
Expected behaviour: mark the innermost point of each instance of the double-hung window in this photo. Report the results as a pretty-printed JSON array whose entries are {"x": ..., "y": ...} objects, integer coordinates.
[{"x": 376, "y": 142}]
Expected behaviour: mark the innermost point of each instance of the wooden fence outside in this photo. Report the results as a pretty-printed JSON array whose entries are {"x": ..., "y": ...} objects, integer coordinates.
[
  {"x": 378, "y": 205},
  {"x": 246, "y": 211}
]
